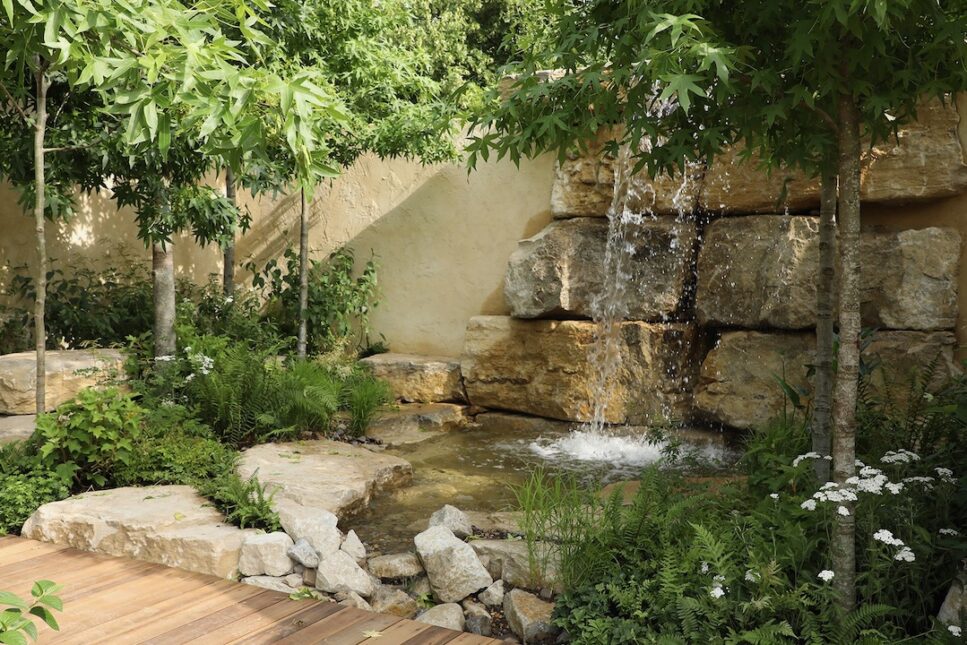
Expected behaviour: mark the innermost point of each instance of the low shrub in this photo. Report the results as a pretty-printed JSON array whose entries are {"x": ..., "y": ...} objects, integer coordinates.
[
  {"x": 23, "y": 492},
  {"x": 175, "y": 448},
  {"x": 749, "y": 561},
  {"x": 88, "y": 304},
  {"x": 339, "y": 302},
  {"x": 86, "y": 439}
]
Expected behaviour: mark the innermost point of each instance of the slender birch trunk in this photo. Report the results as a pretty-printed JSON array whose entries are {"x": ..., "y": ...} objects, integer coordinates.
[
  {"x": 303, "y": 276},
  {"x": 40, "y": 188},
  {"x": 228, "y": 253},
  {"x": 163, "y": 274},
  {"x": 822, "y": 407},
  {"x": 848, "y": 358}
]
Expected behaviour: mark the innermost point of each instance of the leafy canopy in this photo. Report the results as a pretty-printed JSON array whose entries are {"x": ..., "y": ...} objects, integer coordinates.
[{"x": 692, "y": 77}]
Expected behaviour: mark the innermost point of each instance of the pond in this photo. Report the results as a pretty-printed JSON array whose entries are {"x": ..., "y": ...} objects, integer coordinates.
[{"x": 476, "y": 469}]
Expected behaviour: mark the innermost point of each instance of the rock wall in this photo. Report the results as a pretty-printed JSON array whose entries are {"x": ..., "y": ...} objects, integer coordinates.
[{"x": 723, "y": 297}]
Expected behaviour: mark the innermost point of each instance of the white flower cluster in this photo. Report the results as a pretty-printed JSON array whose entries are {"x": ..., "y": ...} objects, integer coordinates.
[
  {"x": 203, "y": 364},
  {"x": 951, "y": 532},
  {"x": 926, "y": 482},
  {"x": 899, "y": 457},
  {"x": 717, "y": 590},
  {"x": 751, "y": 575},
  {"x": 826, "y": 575},
  {"x": 955, "y": 630},
  {"x": 904, "y": 554},
  {"x": 946, "y": 475},
  {"x": 167, "y": 358},
  {"x": 809, "y": 455}
]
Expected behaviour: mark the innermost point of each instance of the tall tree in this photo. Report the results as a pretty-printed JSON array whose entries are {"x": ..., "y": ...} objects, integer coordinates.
[
  {"x": 375, "y": 58},
  {"x": 798, "y": 83}
]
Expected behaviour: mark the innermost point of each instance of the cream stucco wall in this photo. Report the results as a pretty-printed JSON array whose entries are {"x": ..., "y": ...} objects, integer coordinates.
[{"x": 441, "y": 237}]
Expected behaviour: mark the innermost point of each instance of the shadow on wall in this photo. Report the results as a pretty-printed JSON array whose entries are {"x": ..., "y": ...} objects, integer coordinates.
[{"x": 442, "y": 238}]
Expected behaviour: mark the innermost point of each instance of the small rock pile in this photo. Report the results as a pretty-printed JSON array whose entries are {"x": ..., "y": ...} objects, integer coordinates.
[{"x": 480, "y": 586}]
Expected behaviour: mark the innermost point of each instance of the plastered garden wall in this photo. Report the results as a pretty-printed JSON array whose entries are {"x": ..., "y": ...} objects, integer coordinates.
[{"x": 441, "y": 237}]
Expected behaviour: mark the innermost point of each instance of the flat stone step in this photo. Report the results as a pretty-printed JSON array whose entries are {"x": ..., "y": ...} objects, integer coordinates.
[
  {"x": 323, "y": 475},
  {"x": 416, "y": 422},
  {"x": 169, "y": 525},
  {"x": 419, "y": 379},
  {"x": 17, "y": 428},
  {"x": 68, "y": 372}
]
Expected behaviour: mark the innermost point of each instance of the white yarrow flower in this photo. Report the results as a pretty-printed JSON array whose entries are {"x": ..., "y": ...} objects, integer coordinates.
[
  {"x": 826, "y": 575},
  {"x": 894, "y": 488},
  {"x": 751, "y": 576},
  {"x": 886, "y": 537},
  {"x": 945, "y": 475},
  {"x": 899, "y": 457},
  {"x": 953, "y": 629},
  {"x": 953, "y": 532},
  {"x": 705, "y": 567},
  {"x": 842, "y": 510},
  {"x": 905, "y": 555},
  {"x": 774, "y": 495},
  {"x": 809, "y": 505},
  {"x": 717, "y": 592},
  {"x": 801, "y": 458}
]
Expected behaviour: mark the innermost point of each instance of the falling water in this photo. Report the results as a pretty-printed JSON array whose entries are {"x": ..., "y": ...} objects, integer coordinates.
[{"x": 628, "y": 215}]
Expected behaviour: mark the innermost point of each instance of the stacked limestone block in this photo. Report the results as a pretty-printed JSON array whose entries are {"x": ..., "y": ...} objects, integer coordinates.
[{"x": 723, "y": 295}]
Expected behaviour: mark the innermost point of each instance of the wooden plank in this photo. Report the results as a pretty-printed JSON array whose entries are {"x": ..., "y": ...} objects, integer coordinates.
[
  {"x": 401, "y": 632},
  {"x": 312, "y": 613},
  {"x": 433, "y": 636},
  {"x": 342, "y": 618},
  {"x": 143, "y": 616},
  {"x": 248, "y": 624},
  {"x": 472, "y": 639},
  {"x": 365, "y": 632},
  {"x": 189, "y": 607},
  {"x": 183, "y": 632},
  {"x": 124, "y": 597},
  {"x": 68, "y": 572},
  {"x": 18, "y": 550}
]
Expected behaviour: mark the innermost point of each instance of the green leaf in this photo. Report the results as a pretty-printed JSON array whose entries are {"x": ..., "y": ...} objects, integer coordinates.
[
  {"x": 8, "y": 8},
  {"x": 12, "y": 600},
  {"x": 45, "y": 615},
  {"x": 13, "y": 638}
]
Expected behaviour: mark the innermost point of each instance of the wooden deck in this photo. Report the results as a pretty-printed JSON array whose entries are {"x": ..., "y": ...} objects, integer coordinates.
[{"x": 120, "y": 601}]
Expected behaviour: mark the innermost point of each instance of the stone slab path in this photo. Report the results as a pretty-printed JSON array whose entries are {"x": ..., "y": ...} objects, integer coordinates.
[{"x": 121, "y": 601}]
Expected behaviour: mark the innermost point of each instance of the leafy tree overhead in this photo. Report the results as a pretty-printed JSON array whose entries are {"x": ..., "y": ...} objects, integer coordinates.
[
  {"x": 158, "y": 71},
  {"x": 799, "y": 84}
]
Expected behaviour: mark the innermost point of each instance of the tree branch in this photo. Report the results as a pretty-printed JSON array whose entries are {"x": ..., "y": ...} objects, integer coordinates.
[
  {"x": 824, "y": 115},
  {"x": 14, "y": 103}
]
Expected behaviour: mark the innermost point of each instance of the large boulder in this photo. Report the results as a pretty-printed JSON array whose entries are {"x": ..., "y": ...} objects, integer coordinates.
[
  {"x": 560, "y": 272},
  {"x": 395, "y": 566},
  {"x": 416, "y": 422},
  {"x": 924, "y": 161},
  {"x": 17, "y": 428},
  {"x": 68, "y": 372},
  {"x": 584, "y": 186},
  {"x": 543, "y": 367},
  {"x": 338, "y": 572},
  {"x": 418, "y": 379},
  {"x": 170, "y": 525},
  {"x": 451, "y": 565},
  {"x": 306, "y": 476},
  {"x": 739, "y": 387},
  {"x": 530, "y": 617},
  {"x": 760, "y": 271},
  {"x": 266, "y": 554},
  {"x": 448, "y": 615}
]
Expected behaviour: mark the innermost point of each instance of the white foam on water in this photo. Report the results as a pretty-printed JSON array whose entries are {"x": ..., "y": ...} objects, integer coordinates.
[{"x": 590, "y": 445}]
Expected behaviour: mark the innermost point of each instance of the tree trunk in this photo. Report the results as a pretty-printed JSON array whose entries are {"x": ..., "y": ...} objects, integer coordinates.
[
  {"x": 848, "y": 359},
  {"x": 303, "y": 276},
  {"x": 822, "y": 407},
  {"x": 163, "y": 274},
  {"x": 40, "y": 189},
  {"x": 228, "y": 253}
]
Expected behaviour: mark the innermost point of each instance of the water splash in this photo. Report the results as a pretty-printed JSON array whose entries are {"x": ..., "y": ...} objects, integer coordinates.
[{"x": 630, "y": 212}]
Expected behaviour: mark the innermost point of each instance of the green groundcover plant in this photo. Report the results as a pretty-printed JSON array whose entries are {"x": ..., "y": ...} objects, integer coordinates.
[{"x": 747, "y": 560}]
